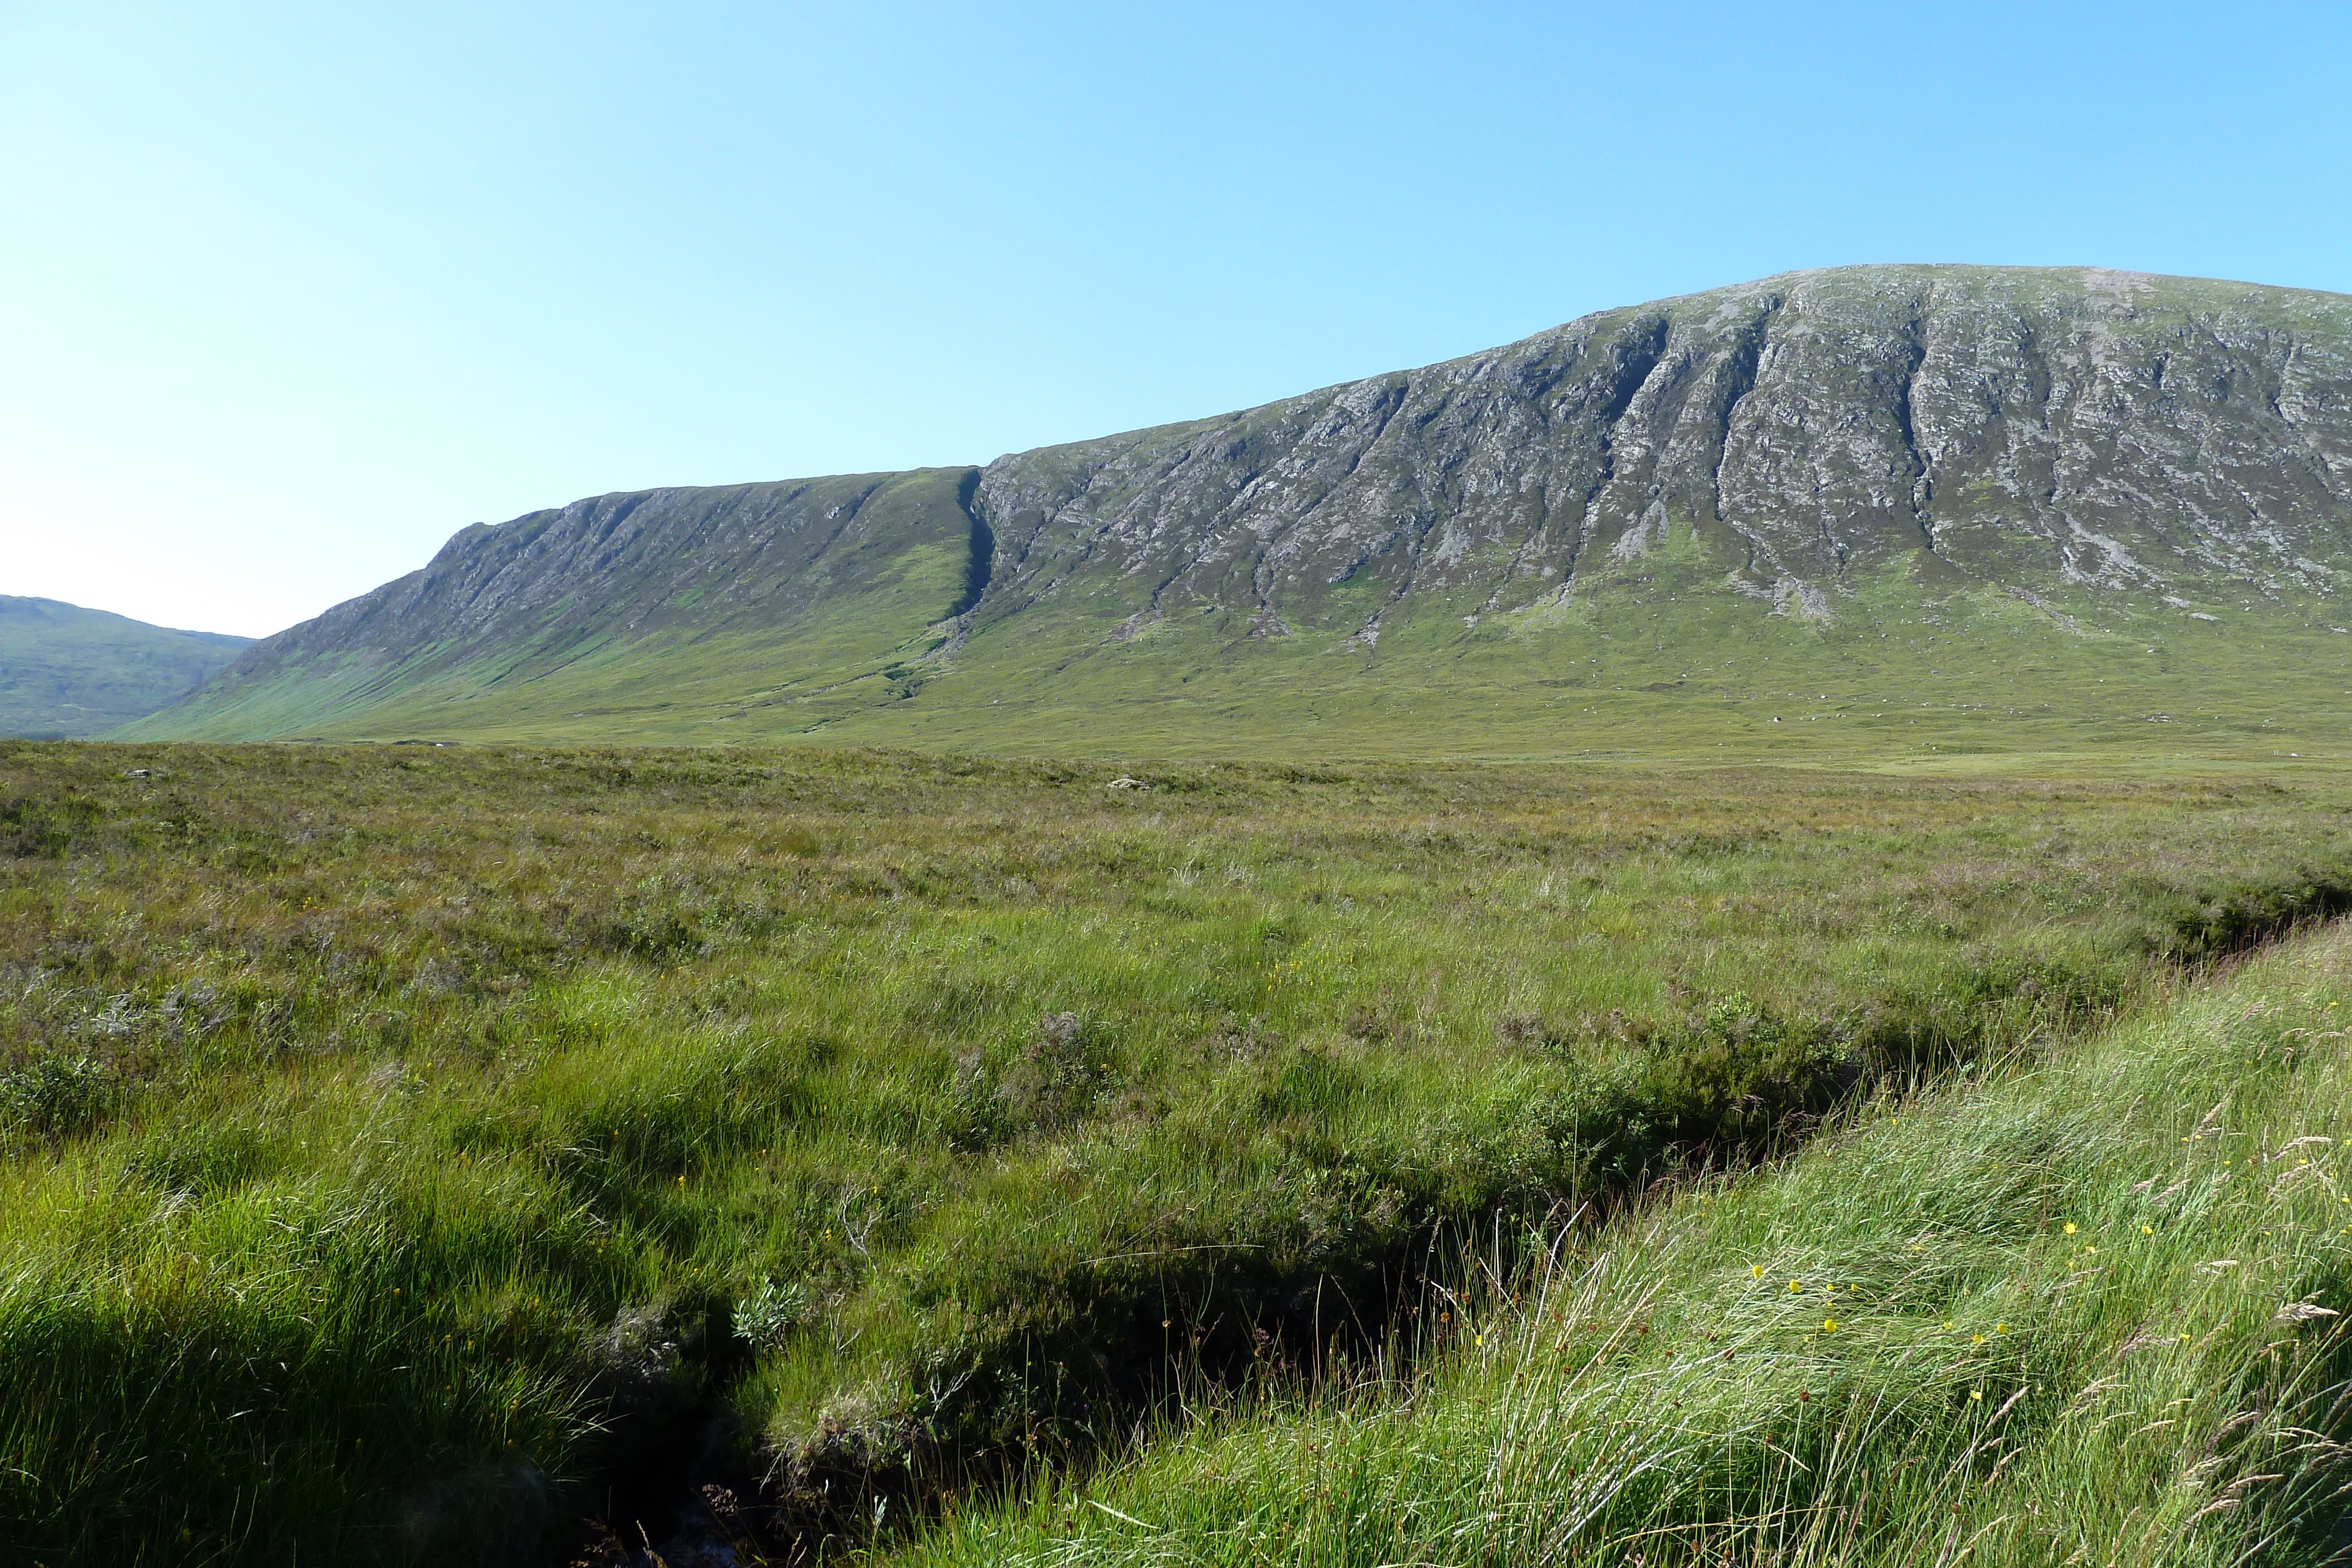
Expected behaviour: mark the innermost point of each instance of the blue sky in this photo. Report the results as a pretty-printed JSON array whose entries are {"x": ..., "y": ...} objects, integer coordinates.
[{"x": 291, "y": 293}]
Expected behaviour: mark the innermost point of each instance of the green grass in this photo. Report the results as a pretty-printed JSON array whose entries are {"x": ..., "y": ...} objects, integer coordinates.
[
  {"x": 1657, "y": 662},
  {"x": 2087, "y": 1312},
  {"x": 413, "y": 1152}
]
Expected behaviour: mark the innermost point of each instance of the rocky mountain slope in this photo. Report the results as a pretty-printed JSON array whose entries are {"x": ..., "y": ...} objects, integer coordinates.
[
  {"x": 66, "y": 671},
  {"x": 1974, "y": 491}
]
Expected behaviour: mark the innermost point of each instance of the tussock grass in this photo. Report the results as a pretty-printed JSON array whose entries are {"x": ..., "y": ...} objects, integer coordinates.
[
  {"x": 410, "y": 1151},
  {"x": 2085, "y": 1314}
]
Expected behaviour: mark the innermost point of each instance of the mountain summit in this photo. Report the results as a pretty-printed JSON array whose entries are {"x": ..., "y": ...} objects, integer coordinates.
[{"x": 2033, "y": 508}]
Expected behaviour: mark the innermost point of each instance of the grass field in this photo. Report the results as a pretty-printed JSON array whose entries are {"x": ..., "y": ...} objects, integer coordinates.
[
  {"x": 2088, "y": 1312},
  {"x": 1927, "y": 674},
  {"x": 415, "y": 1153}
]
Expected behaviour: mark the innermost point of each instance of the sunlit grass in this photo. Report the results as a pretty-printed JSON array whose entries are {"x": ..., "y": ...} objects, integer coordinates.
[
  {"x": 396, "y": 1136},
  {"x": 2086, "y": 1314}
]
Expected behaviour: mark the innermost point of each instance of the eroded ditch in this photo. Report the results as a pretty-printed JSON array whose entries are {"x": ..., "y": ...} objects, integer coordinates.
[{"x": 1725, "y": 1085}]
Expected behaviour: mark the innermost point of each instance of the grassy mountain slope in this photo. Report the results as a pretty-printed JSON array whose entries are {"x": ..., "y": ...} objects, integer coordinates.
[
  {"x": 66, "y": 671},
  {"x": 722, "y": 612},
  {"x": 2035, "y": 509}
]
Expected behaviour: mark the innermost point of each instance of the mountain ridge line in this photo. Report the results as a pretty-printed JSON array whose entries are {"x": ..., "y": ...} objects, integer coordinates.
[{"x": 1824, "y": 451}]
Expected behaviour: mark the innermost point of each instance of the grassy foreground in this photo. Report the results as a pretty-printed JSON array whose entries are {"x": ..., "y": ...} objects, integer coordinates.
[
  {"x": 2087, "y": 1313},
  {"x": 411, "y": 1153}
]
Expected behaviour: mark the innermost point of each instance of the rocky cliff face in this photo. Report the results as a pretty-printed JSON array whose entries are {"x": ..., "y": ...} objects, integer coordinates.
[
  {"x": 2039, "y": 430},
  {"x": 680, "y": 564},
  {"x": 2094, "y": 444}
]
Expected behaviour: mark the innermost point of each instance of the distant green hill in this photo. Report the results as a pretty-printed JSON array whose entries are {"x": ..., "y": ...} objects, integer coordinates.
[
  {"x": 66, "y": 672},
  {"x": 1925, "y": 511}
]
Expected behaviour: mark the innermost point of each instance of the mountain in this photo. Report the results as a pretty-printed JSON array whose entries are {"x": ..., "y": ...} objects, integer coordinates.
[
  {"x": 1931, "y": 509},
  {"x": 66, "y": 671}
]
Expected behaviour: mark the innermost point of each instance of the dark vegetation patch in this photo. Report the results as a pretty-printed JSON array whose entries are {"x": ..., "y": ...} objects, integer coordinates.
[
  {"x": 510, "y": 1138},
  {"x": 2239, "y": 915}
]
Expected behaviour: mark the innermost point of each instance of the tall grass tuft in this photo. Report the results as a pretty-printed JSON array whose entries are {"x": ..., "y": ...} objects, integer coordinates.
[{"x": 2089, "y": 1312}]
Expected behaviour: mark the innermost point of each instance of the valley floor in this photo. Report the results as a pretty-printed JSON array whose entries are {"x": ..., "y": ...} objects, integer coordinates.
[{"x": 474, "y": 1154}]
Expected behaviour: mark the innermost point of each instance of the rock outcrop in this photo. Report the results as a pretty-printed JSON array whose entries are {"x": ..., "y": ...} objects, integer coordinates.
[{"x": 2030, "y": 429}]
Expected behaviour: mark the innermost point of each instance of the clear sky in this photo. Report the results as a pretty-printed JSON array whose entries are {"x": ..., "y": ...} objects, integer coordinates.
[{"x": 290, "y": 293}]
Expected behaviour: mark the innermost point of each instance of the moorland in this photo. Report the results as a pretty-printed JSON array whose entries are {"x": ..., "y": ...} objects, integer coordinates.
[
  {"x": 1699, "y": 939},
  {"x": 449, "y": 1154}
]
